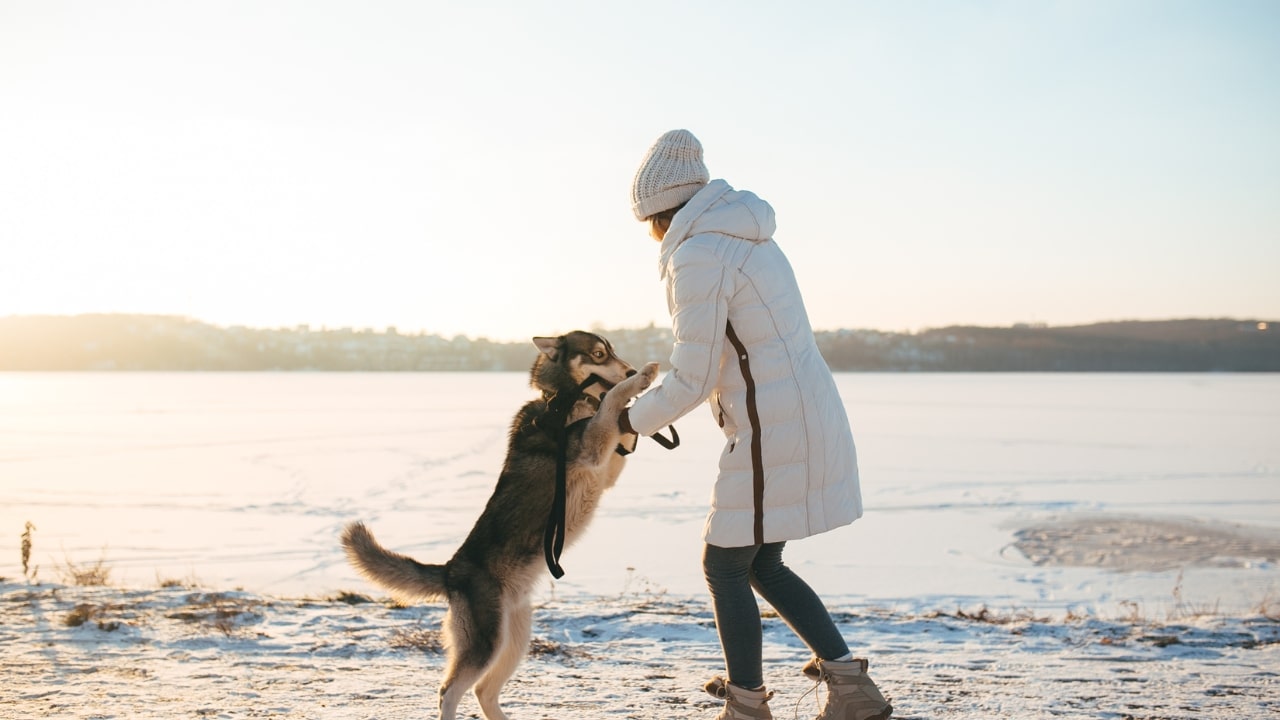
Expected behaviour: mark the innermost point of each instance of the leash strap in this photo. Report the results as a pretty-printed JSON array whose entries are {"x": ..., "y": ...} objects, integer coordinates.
[
  {"x": 554, "y": 535},
  {"x": 671, "y": 444}
]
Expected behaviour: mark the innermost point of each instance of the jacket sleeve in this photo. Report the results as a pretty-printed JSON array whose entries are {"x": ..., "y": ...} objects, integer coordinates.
[{"x": 699, "y": 286}]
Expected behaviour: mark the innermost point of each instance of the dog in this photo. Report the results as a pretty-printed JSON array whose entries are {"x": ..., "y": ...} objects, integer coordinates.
[{"x": 490, "y": 578}]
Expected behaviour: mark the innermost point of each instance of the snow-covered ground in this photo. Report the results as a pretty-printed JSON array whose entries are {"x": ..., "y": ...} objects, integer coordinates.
[
  {"x": 190, "y": 653},
  {"x": 1034, "y": 546}
]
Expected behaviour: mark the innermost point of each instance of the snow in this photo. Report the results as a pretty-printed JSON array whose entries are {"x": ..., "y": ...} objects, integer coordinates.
[
  {"x": 1034, "y": 546},
  {"x": 182, "y": 652}
]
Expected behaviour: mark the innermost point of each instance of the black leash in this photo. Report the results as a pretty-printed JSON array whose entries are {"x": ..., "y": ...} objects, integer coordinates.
[
  {"x": 557, "y": 412},
  {"x": 671, "y": 444}
]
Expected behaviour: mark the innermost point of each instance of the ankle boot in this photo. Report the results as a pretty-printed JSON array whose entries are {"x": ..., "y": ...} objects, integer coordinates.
[
  {"x": 740, "y": 703},
  {"x": 851, "y": 695}
]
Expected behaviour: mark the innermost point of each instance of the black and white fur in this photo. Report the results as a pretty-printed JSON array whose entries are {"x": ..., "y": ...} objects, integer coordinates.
[{"x": 489, "y": 580}]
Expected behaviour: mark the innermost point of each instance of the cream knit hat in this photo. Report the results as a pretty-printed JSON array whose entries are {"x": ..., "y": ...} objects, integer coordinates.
[{"x": 671, "y": 173}]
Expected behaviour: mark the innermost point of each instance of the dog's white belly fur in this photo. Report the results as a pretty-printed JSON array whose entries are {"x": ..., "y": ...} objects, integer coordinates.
[{"x": 586, "y": 484}]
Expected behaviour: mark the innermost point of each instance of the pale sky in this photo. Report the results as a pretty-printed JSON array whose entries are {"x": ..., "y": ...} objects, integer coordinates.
[{"x": 465, "y": 167}]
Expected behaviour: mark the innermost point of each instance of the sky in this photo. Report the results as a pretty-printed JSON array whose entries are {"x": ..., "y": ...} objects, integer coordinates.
[{"x": 465, "y": 168}]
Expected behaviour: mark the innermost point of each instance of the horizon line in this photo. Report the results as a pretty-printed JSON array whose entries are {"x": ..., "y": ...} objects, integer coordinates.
[{"x": 1262, "y": 323}]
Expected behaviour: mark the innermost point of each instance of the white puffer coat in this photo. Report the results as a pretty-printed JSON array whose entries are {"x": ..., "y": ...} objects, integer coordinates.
[{"x": 789, "y": 469}]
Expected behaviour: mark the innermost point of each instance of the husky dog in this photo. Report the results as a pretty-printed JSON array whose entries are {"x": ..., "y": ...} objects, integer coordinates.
[{"x": 488, "y": 581}]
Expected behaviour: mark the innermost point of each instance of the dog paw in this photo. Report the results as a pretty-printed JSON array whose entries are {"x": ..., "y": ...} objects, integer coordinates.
[
  {"x": 635, "y": 384},
  {"x": 647, "y": 375}
]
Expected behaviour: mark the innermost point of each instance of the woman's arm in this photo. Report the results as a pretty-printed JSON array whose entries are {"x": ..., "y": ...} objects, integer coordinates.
[{"x": 699, "y": 287}]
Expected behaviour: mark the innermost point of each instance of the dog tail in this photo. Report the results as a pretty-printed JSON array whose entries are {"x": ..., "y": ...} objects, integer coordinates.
[{"x": 404, "y": 577}]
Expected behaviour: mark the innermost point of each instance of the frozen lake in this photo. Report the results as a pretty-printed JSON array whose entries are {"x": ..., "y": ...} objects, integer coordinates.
[{"x": 244, "y": 480}]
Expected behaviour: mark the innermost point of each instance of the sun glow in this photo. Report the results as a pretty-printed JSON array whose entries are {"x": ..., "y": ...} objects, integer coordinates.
[{"x": 464, "y": 168}]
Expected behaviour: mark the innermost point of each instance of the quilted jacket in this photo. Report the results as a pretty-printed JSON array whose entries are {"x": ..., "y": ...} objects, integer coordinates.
[{"x": 789, "y": 468}]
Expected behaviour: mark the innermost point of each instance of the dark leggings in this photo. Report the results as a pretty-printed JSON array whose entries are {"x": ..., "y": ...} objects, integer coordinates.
[{"x": 731, "y": 574}]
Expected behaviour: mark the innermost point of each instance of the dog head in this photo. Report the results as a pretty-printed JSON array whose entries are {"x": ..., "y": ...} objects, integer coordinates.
[{"x": 565, "y": 362}]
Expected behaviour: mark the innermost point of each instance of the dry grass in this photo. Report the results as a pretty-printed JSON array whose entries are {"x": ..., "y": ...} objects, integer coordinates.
[
  {"x": 350, "y": 598},
  {"x": 538, "y": 647},
  {"x": 1184, "y": 610},
  {"x": 27, "y": 570},
  {"x": 431, "y": 640},
  {"x": 1133, "y": 612},
  {"x": 218, "y": 611},
  {"x": 422, "y": 639},
  {"x": 190, "y": 582},
  {"x": 641, "y": 589},
  {"x": 1269, "y": 606},
  {"x": 98, "y": 614},
  {"x": 221, "y": 612},
  {"x": 991, "y": 617},
  {"x": 94, "y": 574},
  {"x": 108, "y": 616}
]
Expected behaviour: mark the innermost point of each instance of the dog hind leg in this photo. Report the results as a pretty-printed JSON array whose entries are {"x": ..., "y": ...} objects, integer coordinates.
[
  {"x": 472, "y": 636},
  {"x": 517, "y": 625},
  {"x": 456, "y": 681}
]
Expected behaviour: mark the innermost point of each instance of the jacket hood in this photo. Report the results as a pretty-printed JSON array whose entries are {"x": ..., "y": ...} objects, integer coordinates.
[{"x": 720, "y": 209}]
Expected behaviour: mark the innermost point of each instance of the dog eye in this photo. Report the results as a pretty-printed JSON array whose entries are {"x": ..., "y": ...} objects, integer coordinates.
[{"x": 598, "y": 355}]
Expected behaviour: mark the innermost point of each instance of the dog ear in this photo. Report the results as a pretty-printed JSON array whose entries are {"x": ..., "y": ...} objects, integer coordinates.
[{"x": 548, "y": 346}]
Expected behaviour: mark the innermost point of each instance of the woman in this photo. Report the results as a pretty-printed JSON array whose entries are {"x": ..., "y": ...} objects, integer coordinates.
[{"x": 788, "y": 469}]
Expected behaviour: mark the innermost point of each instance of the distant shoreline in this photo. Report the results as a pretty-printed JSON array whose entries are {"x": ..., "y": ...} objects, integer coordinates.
[{"x": 176, "y": 344}]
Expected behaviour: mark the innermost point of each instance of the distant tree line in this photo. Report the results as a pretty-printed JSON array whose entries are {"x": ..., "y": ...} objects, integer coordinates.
[
  {"x": 164, "y": 343},
  {"x": 1133, "y": 346}
]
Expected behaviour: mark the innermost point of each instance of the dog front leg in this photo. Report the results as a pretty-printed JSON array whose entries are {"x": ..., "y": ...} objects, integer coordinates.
[
  {"x": 602, "y": 434},
  {"x": 616, "y": 398}
]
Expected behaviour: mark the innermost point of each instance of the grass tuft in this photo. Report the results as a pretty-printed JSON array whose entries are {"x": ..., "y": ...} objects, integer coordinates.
[
  {"x": 191, "y": 582},
  {"x": 218, "y": 611},
  {"x": 986, "y": 615},
  {"x": 431, "y": 640},
  {"x": 85, "y": 612},
  {"x": 1269, "y": 606},
  {"x": 539, "y": 647},
  {"x": 94, "y": 574},
  {"x": 422, "y": 639},
  {"x": 351, "y": 598},
  {"x": 1184, "y": 610},
  {"x": 28, "y": 571},
  {"x": 641, "y": 590}
]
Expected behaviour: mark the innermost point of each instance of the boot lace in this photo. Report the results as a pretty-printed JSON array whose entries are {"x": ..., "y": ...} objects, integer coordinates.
[{"x": 818, "y": 679}]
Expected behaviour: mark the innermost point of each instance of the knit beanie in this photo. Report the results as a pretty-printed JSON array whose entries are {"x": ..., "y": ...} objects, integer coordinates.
[{"x": 671, "y": 173}]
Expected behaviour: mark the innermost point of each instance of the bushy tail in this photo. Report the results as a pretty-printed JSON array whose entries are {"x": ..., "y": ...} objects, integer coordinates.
[{"x": 402, "y": 576}]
